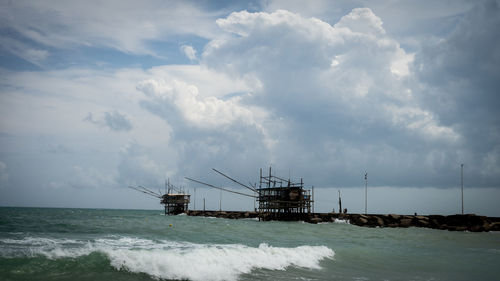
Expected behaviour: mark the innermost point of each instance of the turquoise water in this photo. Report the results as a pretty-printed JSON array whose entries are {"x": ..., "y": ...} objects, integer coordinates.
[{"x": 88, "y": 244}]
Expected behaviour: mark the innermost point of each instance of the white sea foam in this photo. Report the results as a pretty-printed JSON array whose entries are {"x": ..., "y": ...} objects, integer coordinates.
[{"x": 179, "y": 260}]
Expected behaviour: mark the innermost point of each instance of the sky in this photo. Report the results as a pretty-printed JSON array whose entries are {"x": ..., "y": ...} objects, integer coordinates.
[{"x": 97, "y": 96}]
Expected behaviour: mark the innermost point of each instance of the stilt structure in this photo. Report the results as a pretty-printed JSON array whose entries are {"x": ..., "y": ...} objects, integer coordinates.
[
  {"x": 175, "y": 200},
  {"x": 281, "y": 199},
  {"x": 278, "y": 199},
  {"x": 175, "y": 203}
]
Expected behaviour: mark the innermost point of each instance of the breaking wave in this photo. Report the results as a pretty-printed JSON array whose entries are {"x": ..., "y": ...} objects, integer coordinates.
[{"x": 173, "y": 260}]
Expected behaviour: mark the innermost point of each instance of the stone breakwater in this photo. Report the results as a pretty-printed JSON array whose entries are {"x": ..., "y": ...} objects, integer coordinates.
[{"x": 468, "y": 222}]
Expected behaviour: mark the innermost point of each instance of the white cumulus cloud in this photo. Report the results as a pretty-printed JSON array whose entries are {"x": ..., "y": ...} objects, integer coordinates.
[{"x": 189, "y": 51}]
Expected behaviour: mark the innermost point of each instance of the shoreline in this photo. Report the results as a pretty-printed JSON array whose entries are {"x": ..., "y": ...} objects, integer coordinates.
[{"x": 466, "y": 222}]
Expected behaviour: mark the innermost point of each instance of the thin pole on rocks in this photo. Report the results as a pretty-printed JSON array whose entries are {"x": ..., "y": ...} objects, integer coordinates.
[
  {"x": 366, "y": 193},
  {"x": 462, "y": 180}
]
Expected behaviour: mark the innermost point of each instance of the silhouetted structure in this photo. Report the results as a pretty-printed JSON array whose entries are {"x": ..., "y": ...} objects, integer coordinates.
[
  {"x": 175, "y": 203},
  {"x": 281, "y": 199}
]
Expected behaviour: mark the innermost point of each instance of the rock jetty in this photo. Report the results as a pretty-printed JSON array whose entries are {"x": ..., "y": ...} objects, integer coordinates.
[{"x": 468, "y": 222}]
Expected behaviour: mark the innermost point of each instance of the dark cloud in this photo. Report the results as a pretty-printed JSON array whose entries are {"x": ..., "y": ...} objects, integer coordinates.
[
  {"x": 461, "y": 77},
  {"x": 114, "y": 120},
  {"x": 4, "y": 176},
  {"x": 340, "y": 97},
  {"x": 117, "y": 122}
]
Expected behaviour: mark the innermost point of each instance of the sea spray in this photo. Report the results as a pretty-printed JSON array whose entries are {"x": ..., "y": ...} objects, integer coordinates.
[{"x": 175, "y": 260}]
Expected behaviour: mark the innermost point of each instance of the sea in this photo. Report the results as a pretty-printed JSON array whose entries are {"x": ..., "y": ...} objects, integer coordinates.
[{"x": 100, "y": 244}]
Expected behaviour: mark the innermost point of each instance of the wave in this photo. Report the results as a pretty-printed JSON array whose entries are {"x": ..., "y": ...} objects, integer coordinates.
[{"x": 174, "y": 260}]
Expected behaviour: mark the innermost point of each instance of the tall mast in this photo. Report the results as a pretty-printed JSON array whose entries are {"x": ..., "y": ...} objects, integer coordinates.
[
  {"x": 366, "y": 192},
  {"x": 462, "y": 181}
]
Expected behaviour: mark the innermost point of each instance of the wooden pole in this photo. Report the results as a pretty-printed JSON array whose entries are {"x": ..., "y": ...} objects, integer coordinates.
[
  {"x": 260, "y": 182},
  {"x": 462, "y": 180},
  {"x": 269, "y": 185},
  {"x": 340, "y": 204},
  {"x": 312, "y": 196}
]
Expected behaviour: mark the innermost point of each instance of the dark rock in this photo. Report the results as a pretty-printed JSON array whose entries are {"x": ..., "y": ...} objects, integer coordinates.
[
  {"x": 443, "y": 227},
  {"x": 362, "y": 221},
  {"x": 457, "y": 228},
  {"x": 494, "y": 226},
  {"x": 474, "y": 228},
  {"x": 394, "y": 217},
  {"x": 315, "y": 220},
  {"x": 406, "y": 222},
  {"x": 380, "y": 221},
  {"x": 423, "y": 223}
]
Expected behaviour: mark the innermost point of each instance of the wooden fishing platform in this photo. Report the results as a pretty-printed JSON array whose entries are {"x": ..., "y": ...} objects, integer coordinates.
[
  {"x": 278, "y": 198},
  {"x": 281, "y": 199},
  {"x": 175, "y": 203}
]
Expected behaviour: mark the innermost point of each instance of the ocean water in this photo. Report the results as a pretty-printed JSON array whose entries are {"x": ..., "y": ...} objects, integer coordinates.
[{"x": 90, "y": 244}]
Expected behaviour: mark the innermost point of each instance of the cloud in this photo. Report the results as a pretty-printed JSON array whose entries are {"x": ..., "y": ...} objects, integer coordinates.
[
  {"x": 114, "y": 120},
  {"x": 126, "y": 26},
  {"x": 362, "y": 20},
  {"x": 24, "y": 51},
  {"x": 207, "y": 131},
  {"x": 137, "y": 166},
  {"x": 117, "y": 122},
  {"x": 88, "y": 177},
  {"x": 459, "y": 78},
  {"x": 4, "y": 176},
  {"x": 320, "y": 99},
  {"x": 183, "y": 98},
  {"x": 346, "y": 86},
  {"x": 189, "y": 51}
]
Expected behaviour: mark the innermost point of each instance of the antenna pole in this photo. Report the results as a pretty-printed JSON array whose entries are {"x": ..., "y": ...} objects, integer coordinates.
[
  {"x": 194, "y": 199},
  {"x": 462, "y": 180},
  {"x": 366, "y": 192}
]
